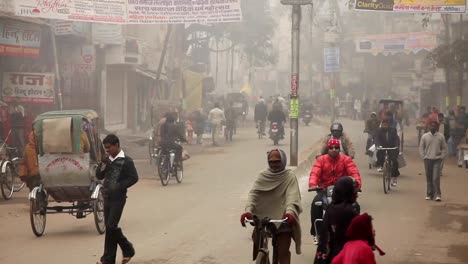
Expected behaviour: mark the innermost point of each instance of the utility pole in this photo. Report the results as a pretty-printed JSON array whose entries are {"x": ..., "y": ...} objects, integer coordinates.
[{"x": 295, "y": 54}]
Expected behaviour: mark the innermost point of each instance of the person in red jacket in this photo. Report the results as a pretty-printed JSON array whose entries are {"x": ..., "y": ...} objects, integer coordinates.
[
  {"x": 325, "y": 172},
  {"x": 361, "y": 241}
]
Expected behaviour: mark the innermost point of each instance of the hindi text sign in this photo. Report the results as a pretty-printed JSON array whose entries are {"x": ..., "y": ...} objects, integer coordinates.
[
  {"x": 19, "y": 39},
  {"x": 28, "y": 87}
]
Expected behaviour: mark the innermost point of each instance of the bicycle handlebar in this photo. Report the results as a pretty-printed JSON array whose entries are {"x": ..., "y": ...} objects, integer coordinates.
[
  {"x": 380, "y": 148},
  {"x": 271, "y": 221}
]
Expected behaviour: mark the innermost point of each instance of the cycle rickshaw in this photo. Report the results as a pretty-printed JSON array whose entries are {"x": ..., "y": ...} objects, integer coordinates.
[{"x": 68, "y": 149}]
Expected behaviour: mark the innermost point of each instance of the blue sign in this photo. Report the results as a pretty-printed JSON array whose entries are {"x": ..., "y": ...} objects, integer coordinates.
[{"x": 331, "y": 57}]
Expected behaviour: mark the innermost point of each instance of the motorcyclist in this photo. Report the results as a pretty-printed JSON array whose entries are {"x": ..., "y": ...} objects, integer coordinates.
[
  {"x": 277, "y": 115},
  {"x": 372, "y": 125},
  {"x": 325, "y": 172},
  {"x": 170, "y": 132},
  {"x": 387, "y": 137},
  {"x": 336, "y": 132},
  {"x": 260, "y": 114}
]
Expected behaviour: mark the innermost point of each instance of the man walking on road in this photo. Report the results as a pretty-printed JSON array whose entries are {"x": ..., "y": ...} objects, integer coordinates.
[
  {"x": 433, "y": 150},
  {"x": 119, "y": 173},
  {"x": 216, "y": 117}
]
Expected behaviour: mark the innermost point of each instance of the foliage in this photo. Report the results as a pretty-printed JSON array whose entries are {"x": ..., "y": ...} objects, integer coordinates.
[
  {"x": 449, "y": 56},
  {"x": 251, "y": 37}
]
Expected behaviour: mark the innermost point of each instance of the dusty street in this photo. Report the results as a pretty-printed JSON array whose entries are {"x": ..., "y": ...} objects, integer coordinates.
[{"x": 198, "y": 221}]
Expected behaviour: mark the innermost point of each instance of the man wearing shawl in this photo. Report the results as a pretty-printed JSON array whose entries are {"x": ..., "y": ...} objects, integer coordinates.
[{"x": 275, "y": 194}]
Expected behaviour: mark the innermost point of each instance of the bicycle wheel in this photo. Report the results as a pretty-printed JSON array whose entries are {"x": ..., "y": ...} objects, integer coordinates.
[
  {"x": 386, "y": 177},
  {"x": 7, "y": 183},
  {"x": 179, "y": 173},
  {"x": 18, "y": 185},
  {"x": 98, "y": 211},
  {"x": 262, "y": 258},
  {"x": 165, "y": 168},
  {"x": 38, "y": 218}
]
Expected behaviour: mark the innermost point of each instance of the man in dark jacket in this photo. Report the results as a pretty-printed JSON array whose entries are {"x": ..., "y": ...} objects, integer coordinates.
[
  {"x": 170, "y": 133},
  {"x": 119, "y": 173},
  {"x": 261, "y": 113},
  {"x": 387, "y": 137},
  {"x": 17, "y": 127}
]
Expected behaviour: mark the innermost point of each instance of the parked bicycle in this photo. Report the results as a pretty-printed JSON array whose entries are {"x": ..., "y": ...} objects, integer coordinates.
[
  {"x": 265, "y": 229},
  {"x": 387, "y": 169},
  {"x": 9, "y": 170}
]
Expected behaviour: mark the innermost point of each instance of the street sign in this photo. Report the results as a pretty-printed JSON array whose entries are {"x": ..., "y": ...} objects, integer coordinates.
[
  {"x": 294, "y": 108},
  {"x": 294, "y": 85},
  {"x": 296, "y": 2},
  {"x": 331, "y": 56}
]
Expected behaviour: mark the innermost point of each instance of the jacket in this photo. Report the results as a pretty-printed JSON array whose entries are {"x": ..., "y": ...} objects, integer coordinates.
[
  {"x": 216, "y": 116},
  {"x": 327, "y": 170},
  {"x": 118, "y": 176},
  {"x": 277, "y": 116},
  {"x": 387, "y": 139},
  {"x": 261, "y": 112},
  {"x": 346, "y": 144},
  {"x": 355, "y": 252}
]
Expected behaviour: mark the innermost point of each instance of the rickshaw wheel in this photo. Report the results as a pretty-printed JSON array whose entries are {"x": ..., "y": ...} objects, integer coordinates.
[
  {"x": 38, "y": 220},
  {"x": 98, "y": 211},
  {"x": 18, "y": 185},
  {"x": 7, "y": 184}
]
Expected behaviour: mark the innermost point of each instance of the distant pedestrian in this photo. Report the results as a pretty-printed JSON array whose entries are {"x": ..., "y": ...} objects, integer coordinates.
[
  {"x": 433, "y": 150},
  {"x": 17, "y": 126},
  {"x": 119, "y": 173},
  {"x": 216, "y": 118}
]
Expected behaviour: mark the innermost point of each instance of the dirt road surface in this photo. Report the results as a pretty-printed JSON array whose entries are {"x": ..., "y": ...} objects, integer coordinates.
[{"x": 198, "y": 221}]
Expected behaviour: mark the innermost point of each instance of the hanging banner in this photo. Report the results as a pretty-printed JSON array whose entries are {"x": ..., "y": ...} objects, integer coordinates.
[
  {"x": 106, "y": 11},
  {"x": 430, "y": 6},
  {"x": 394, "y": 43},
  {"x": 19, "y": 39},
  {"x": 28, "y": 87},
  {"x": 133, "y": 11},
  {"x": 413, "y": 6}
]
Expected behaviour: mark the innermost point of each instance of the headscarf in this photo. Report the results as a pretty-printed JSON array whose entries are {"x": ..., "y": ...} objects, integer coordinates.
[
  {"x": 284, "y": 159},
  {"x": 344, "y": 191},
  {"x": 361, "y": 229},
  {"x": 333, "y": 142}
]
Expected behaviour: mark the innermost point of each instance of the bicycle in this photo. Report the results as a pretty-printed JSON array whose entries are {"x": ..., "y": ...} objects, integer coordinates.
[
  {"x": 260, "y": 128},
  {"x": 265, "y": 229},
  {"x": 168, "y": 168},
  {"x": 9, "y": 177},
  {"x": 387, "y": 169}
]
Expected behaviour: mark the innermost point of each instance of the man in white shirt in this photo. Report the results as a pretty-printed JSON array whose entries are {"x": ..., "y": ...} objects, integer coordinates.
[
  {"x": 433, "y": 150},
  {"x": 216, "y": 117}
]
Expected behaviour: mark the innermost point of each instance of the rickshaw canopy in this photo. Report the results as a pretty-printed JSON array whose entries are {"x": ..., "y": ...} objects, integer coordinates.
[{"x": 60, "y": 131}]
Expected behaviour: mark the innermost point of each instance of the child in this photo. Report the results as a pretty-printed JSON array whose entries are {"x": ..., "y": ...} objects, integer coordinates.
[{"x": 361, "y": 241}]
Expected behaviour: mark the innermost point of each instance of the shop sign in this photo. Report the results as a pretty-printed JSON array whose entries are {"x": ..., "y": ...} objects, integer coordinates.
[
  {"x": 28, "y": 87},
  {"x": 20, "y": 39}
]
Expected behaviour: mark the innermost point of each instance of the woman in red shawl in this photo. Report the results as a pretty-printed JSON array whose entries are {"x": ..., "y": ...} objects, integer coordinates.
[{"x": 361, "y": 241}]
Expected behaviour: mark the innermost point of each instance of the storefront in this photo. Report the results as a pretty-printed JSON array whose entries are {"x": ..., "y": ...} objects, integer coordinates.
[{"x": 27, "y": 72}]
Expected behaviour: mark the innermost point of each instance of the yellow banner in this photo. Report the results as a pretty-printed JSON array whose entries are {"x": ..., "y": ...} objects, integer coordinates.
[{"x": 194, "y": 90}]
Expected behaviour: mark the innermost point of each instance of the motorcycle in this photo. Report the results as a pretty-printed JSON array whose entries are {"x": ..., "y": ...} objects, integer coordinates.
[
  {"x": 275, "y": 133},
  {"x": 307, "y": 118}
]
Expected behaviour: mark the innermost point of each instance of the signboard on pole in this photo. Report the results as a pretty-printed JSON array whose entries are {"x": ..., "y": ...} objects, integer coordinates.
[
  {"x": 294, "y": 108},
  {"x": 133, "y": 11},
  {"x": 28, "y": 87},
  {"x": 331, "y": 56}
]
